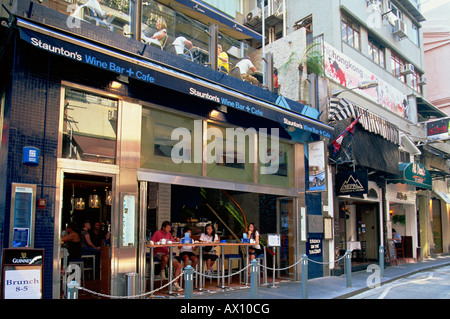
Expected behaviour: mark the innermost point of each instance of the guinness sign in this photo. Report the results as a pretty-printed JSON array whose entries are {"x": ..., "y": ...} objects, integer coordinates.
[{"x": 352, "y": 183}]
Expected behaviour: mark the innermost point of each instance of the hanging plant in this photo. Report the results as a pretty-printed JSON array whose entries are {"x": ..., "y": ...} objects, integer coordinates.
[{"x": 399, "y": 219}]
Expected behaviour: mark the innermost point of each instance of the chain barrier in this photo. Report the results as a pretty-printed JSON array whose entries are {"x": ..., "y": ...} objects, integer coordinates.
[
  {"x": 314, "y": 261},
  {"x": 225, "y": 276},
  {"x": 135, "y": 296},
  {"x": 205, "y": 275}
]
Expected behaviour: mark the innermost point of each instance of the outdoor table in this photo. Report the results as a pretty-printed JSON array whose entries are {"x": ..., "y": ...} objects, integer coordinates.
[{"x": 200, "y": 245}]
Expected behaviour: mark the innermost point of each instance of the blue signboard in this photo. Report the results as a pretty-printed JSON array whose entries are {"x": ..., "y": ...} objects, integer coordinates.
[{"x": 31, "y": 156}]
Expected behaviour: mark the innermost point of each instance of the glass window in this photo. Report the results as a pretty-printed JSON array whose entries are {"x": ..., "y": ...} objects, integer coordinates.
[
  {"x": 173, "y": 32},
  {"x": 230, "y": 153},
  {"x": 350, "y": 33},
  {"x": 115, "y": 15},
  {"x": 90, "y": 127},
  {"x": 415, "y": 34},
  {"x": 415, "y": 79},
  {"x": 376, "y": 53},
  {"x": 229, "y": 7},
  {"x": 397, "y": 63},
  {"x": 168, "y": 142},
  {"x": 284, "y": 177}
]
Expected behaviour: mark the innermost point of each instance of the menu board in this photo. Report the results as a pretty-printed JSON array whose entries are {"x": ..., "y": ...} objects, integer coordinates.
[
  {"x": 391, "y": 251},
  {"x": 22, "y": 273},
  {"x": 128, "y": 220}
]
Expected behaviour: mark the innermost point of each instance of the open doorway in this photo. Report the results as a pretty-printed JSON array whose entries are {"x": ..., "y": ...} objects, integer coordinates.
[{"x": 88, "y": 198}]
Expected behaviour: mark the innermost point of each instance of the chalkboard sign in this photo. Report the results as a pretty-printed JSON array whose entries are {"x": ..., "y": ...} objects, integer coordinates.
[{"x": 391, "y": 251}]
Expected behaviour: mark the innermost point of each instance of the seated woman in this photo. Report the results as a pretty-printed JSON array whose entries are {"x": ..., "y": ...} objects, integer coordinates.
[
  {"x": 209, "y": 252},
  {"x": 159, "y": 36},
  {"x": 187, "y": 252},
  {"x": 255, "y": 250}
]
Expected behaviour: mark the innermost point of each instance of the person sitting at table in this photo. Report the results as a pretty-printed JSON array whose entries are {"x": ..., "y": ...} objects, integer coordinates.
[
  {"x": 255, "y": 250},
  {"x": 162, "y": 253},
  {"x": 209, "y": 252},
  {"x": 397, "y": 238},
  {"x": 247, "y": 68},
  {"x": 187, "y": 252},
  {"x": 73, "y": 241},
  {"x": 222, "y": 60},
  {"x": 159, "y": 36},
  {"x": 180, "y": 45}
]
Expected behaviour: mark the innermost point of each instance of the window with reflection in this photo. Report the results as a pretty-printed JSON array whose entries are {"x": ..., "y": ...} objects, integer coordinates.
[
  {"x": 168, "y": 142},
  {"x": 230, "y": 153},
  {"x": 90, "y": 127},
  {"x": 173, "y": 32},
  {"x": 114, "y": 15},
  {"x": 242, "y": 60},
  {"x": 284, "y": 176}
]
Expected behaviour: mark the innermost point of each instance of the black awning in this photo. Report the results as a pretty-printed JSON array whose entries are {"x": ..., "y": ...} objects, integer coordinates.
[{"x": 366, "y": 149}]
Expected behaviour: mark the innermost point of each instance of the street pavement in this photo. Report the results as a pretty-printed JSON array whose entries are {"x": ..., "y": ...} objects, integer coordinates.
[{"x": 333, "y": 287}]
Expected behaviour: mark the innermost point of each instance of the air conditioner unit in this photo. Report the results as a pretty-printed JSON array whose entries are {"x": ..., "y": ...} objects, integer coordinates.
[
  {"x": 253, "y": 17},
  {"x": 400, "y": 29},
  {"x": 422, "y": 80},
  {"x": 407, "y": 69},
  {"x": 112, "y": 115}
]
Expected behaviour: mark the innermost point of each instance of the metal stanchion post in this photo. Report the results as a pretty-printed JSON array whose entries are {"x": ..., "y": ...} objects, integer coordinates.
[
  {"x": 305, "y": 276},
  {"x": 381, "y": 256},
  {"x": 274, "y": 267},
  {"x": 189, "y": 282},
  {"x": 254, "y": 279},
  {"x": 348, "y": 265},
  {"x": 72, "y": 290}
]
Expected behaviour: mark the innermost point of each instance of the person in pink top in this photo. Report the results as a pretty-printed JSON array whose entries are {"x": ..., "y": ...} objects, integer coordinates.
[{"x": 162, "y": 253}]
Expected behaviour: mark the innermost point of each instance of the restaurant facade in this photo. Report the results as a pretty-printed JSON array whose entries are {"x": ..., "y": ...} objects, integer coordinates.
[{"x": 99, "y": 126}]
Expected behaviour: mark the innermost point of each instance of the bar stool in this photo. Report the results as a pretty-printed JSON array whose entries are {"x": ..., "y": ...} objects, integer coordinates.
[
  {"x": 230, "y": 258},
  {"x": 83, "y": 257},
  {"x": 217, "y": 264}
]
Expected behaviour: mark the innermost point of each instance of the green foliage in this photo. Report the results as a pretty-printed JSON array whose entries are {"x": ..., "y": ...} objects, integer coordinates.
[{"x": 311, "y": 56}]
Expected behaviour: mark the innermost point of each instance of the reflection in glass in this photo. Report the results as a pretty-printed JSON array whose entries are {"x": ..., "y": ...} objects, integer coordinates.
[{"x": 90, "y": 127}]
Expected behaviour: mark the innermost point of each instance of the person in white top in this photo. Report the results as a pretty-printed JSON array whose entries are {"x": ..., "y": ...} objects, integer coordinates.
[
  {"x": 180, "y": 44},
  {"x": 187, "y": 252},
  {"x": 255, "y": 250},
  {"x": 247, "y": 68},
  {"x": 209, "y": 252}
]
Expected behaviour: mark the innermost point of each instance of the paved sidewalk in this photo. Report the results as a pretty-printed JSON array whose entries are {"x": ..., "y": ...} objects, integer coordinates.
[{"x": 332, "y": 287}]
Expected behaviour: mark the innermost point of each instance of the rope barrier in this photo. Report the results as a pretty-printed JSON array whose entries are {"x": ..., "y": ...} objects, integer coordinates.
[
  {"x": 205, "y": 275},
  {"x": 135, "y": 296}
]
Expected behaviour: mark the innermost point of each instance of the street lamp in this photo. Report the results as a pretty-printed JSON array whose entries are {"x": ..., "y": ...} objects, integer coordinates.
[{"x": 361, "y": 86}]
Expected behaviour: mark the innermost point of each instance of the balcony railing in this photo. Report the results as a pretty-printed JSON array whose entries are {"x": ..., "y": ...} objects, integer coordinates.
[{"x": 166, "y": 29}]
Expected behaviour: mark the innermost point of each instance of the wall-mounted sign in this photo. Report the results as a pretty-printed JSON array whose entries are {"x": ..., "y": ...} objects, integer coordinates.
[
  {"x": 352, "y": 183},
  {"x": 23, "y": 209},
  {"x": 273, "y": 240},
  {"x": 22, "y": 273},
  {"x": 438, "y": 130},
  {"x": 316, "y": 160},
  {"x": 314, "y": 246},
  {"x": 31, "y": 156},
  {"x": 128, "y": 220},
  {"x": 343, "y": 70}
]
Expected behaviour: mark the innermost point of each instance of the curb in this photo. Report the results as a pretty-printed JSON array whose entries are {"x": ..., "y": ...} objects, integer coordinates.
[{"x": 361, "y": 290}]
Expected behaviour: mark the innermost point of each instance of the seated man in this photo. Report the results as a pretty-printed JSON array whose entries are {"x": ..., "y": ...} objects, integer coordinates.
[
  {"x": 180, "y": 45},
  {"x": 223, "y": 63},
  {"x": 162, "y": 253},
  {"x": 247, "y": 68}
]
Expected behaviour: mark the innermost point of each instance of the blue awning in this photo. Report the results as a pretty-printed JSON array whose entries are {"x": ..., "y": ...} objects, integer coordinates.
[
  {"x": 203, "y": 12},
  {"x": 137, "y": 68}
]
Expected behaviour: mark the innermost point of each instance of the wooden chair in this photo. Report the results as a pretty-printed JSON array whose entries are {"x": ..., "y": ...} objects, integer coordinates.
[{"x": 399, "y": 249}]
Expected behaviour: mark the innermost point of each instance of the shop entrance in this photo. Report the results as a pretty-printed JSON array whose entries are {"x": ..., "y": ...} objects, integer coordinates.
[
  {"x": 87, "y": 199},
  {"x": 359, "y": 230},
  {"x": 229, "y": 211},
  {"x": 437, "y": 225}
]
